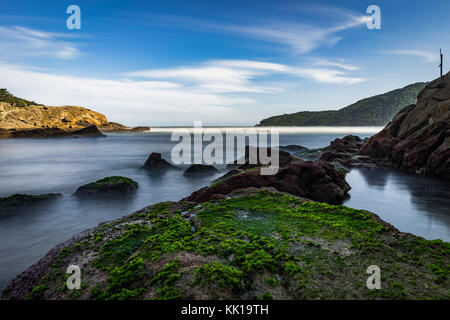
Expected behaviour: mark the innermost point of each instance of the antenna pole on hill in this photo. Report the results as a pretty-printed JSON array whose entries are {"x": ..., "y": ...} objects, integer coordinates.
[{"x": 442, "y": 58}]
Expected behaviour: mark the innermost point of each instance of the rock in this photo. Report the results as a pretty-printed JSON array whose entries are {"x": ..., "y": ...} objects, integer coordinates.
[
  {"x": 284, "y": 157},
  {"x": 199, "y": 170},
  {"x": 156, "y": 162},
  {"x": 318, "y": 181},
  {"x": 417, "y": 138},
  {"x": 91, "y": 131},
  {"x": 117, "y": 127},
  {"x": 108, "y": 185},
  {"x": 20, "y": 201},
  {"x": 140, "y": 129}
]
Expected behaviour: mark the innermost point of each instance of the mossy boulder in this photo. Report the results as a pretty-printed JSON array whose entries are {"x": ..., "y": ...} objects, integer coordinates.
[
  {"x": 196, "y": 170},
  {"x": 256, "y": 244},
  {"x": 20, "y": 201},
  {"x": 109, "y": 185}
]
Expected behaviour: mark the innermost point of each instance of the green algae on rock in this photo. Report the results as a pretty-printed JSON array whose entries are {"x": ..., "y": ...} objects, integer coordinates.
[
  {"x": 255, "y": 244},
  {"x": 19, "y": 201},
  {"x": 108, "y": 185}
]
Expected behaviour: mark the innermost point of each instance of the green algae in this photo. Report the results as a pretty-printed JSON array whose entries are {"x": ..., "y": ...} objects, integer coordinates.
[{"x": 263, "y": 245}]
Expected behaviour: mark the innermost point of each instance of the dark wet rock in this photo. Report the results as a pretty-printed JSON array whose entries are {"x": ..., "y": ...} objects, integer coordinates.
[
  {"x": 91, "y": 131},
  {"x": 108, "y": 185},
  {"x": 200, "y": 170},
  {"x": 318, "y": 181},
  {"x": 21, "y": 201},
  {"x": 418, "y": 137},
  {"x": 156, "y": 162}
]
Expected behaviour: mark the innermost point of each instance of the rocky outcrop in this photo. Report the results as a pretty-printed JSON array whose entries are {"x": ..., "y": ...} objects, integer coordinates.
[
  {"x": 108, "y": 185},
  {"x": 196, "y": 170},
  {"x": 20, "y": 201},
  {"x": 33, "y": 117},
  {"x": 318, "y": 181},
  {"x": 418, "y": 137},
  {"x": 156, "y": 162},
  {"x": 91, "y": 131},
  {"x": 66, "y": 118}
]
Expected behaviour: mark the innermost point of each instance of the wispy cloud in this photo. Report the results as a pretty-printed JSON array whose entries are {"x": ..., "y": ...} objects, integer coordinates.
[
  {"x": 239, "y": 75},
  {"x": 20, "y": 41},
  {"x": 297, "y": 36},
  {"x": 428, "y": 56},
  {"x": 337, "y": 64}
]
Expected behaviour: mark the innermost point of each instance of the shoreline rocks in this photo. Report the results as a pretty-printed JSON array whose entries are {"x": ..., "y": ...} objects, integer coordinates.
[{"x": 88, "y": 132}]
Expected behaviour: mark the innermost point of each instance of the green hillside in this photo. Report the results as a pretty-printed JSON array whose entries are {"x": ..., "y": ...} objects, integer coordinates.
[
  {"x": 374, "y": 111},
  {"x": 5, "y": 96}
]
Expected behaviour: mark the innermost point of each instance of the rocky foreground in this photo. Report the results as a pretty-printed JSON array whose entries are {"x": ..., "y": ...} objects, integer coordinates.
[{"x": 253, "y": 244}]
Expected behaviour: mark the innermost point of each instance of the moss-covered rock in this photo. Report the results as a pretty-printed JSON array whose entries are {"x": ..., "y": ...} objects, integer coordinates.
[
  {"x": 20, "y": 201},
  {"x": 108, "y": 185},
  {"x": 256, "y": 244}
]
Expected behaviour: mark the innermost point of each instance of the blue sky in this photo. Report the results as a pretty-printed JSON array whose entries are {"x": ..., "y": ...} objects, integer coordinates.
[{"x": 221, "y": 62}]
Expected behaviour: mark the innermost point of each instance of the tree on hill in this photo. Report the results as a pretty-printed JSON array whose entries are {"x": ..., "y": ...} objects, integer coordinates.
[{"x": 5, "y": 96}]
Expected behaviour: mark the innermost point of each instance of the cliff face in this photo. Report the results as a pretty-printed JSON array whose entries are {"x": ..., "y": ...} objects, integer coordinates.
[
  {"x": 418, "y": 137},
  {"x": 32, "y": 117}
]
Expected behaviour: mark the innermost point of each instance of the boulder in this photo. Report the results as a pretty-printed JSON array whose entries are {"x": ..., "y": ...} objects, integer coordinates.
[
  {"x": 156, "y": 162},
  {"x": 108, "y": 185},
  {"x": 418, "y": 137},
  {"x": 318, "y": 181},
  {"x": 200, "y": 170}
]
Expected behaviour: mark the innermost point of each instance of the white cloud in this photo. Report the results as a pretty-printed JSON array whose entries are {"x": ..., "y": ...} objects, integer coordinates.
[
  {"x": 428, "y": 56},
  {"x": 19, "y": 41},
  {"x": 131, "y": 102},
  {"x": 214, "y": 91},
  {"x": 341, "y": 65},
  {"x": 239, "y": 75}
]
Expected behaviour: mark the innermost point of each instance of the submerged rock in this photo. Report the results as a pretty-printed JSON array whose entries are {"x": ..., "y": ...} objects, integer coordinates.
[
  {"x": 195, "y": 170},
  {"x": 108, "y": 185},
  {"x": 20, "y": 201},
  {"x": 156, "y": 162},
  {"x": 255, "y": 244},
  {"x": 418, "y": 137}
]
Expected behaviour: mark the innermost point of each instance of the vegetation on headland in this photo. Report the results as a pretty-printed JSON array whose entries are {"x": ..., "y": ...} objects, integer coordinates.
[
  {"x": 373, "y": 111},
  {"x": 254, "y": 244},
  {"x": 6, "y": 96}
]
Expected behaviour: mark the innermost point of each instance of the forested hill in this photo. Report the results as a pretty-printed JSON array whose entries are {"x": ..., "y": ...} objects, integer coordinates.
[{"x": 374, "y": 111}]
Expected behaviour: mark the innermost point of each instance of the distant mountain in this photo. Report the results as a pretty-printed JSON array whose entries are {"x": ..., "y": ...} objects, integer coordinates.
[
  {"x": 7, "y": 97},
  {"x": 374, "y": 111}
]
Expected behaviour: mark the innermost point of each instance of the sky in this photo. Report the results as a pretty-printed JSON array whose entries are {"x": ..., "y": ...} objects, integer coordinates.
[{"x": 227, "y": 62}]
